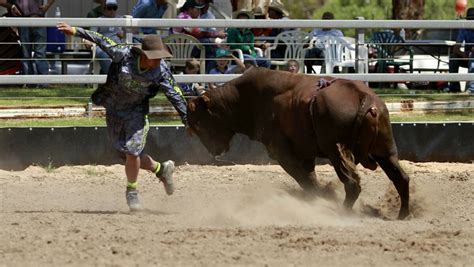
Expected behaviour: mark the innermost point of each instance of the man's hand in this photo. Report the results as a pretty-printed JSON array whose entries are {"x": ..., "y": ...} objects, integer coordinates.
[
  {"x": 66, "y": 28},
  {"x": 15, "y": 11}
]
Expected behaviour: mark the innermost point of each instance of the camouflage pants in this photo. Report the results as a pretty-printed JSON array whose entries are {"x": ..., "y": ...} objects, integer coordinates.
[{"x": 128, "y": 134}]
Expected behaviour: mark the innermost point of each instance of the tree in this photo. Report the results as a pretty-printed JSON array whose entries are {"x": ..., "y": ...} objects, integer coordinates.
[
  {"x": 371, "y": 9},
  {"x": 411, "y": 9},
  {"x": 303, "y": 9}
]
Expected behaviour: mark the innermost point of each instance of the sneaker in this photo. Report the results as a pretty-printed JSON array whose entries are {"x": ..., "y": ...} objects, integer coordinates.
[
  {"x": 167, "y": 176},
  {"x": 132, "y": 199}
]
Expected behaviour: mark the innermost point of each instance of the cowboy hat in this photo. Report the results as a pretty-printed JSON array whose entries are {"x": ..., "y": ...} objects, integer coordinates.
[
  {"x": 280, "y": 8},
  {"x": 152, "y": 47},
  {"x": 259, "y": 12},
  {"x": 247, "y": 13},
  {"x": 470, "y": 13},
  {"x": 191, "y": 3}
]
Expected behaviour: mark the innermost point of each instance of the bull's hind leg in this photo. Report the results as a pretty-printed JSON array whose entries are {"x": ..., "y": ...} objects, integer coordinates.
[
  {"x": 400, "y": 179},
  {"x": 345, "y": 168}
]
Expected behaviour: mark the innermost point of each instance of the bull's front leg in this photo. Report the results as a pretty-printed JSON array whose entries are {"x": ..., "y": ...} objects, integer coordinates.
[{"x": 302, "y": 170}]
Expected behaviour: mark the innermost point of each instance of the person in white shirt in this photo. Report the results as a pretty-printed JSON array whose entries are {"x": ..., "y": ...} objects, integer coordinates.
[{"x": 315, "y": 55}]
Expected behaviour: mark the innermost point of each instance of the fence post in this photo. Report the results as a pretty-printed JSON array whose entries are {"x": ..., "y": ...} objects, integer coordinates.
[
  {"x": 359, "y": 46},
  {"x": 128, "y": 30}
]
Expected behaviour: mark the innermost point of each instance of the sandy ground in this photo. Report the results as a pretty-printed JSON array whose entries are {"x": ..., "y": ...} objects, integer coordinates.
[{"x": 233, "y": 215}]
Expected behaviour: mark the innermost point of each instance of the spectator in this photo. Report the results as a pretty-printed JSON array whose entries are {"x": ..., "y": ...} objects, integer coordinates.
[
  {"x": 315, "y": 55},
  {"x": 153, "y": 9},
  {"x": 259, "y": 13},
  {"x": 97, "y": 11},
  {"x": 11, "y": 7},
  {"x": 293, "y": 66},
  {"x": 277, "y": 10},
  {"x": 10, "y": 50},
  {"x": 191, "y": 9},
  {"x": 115, "y": 34},
  {"x": 208, "y": 42},
  {"x": 460, "y": 58},
  {"x": 223, "y": 57},
  {"x": 33, "y": 39},
  {"x": 207, "y": 14},
  {"x": 243, "y": 39},
  {"x": 248, "y": 64},
  {"x": 136, "y": 75},
  {"x": 192, "y": 89},
  {"x": 470, "y": 84}
]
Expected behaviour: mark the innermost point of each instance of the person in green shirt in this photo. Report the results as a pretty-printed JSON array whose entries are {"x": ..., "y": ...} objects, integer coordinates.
[{"x": 243, "y": 39}]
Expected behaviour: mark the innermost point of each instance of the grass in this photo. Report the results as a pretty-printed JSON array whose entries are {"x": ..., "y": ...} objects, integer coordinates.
[
  {"x": 64, "y": 95},
  {"x": 445, "y": 116},
  {"x": 75, "y": 121},
  {"x": 95, "y": 121},
  {"x": 391, "y": 95},
  {"x": 54, "y": 96},
  {"x": 76, "y": 95}
]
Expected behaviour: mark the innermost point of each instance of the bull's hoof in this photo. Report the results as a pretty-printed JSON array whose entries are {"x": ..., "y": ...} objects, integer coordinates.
[{"x": 404, "y": 215}]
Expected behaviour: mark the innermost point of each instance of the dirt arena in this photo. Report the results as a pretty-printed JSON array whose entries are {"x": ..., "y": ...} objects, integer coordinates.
[{"x": 233, "y": 215}]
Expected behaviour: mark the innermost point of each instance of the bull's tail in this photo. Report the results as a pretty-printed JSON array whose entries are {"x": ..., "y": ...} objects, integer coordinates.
[{"x": 364, "y": 132}]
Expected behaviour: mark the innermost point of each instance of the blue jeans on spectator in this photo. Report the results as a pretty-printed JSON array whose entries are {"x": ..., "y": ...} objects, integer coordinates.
[
  {"x": 258, "y": 60},
  {"x": 470, "y": 69},
  {"x": 33, "y": 45},
  {"x": 454, "y": 65},
  {"x": 314, "y": 56},
  {"x": 104, "y": 60},
  {"x": 210, "y": 47}
]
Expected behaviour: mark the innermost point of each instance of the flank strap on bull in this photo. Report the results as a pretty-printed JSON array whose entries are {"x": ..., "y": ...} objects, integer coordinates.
[
  {"x": 323, "y": 83},
  {"x": 320, "y": 84}
]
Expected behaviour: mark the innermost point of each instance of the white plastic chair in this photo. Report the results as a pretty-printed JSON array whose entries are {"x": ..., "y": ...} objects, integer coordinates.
[
  {"x": 181, "y": 46},
  {"x": 340, "y": 52},
  {"x": 296, "y": 43}
]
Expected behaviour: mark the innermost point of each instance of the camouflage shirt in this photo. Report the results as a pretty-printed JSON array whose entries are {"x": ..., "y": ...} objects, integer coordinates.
[{"x": 128, "y": 89}]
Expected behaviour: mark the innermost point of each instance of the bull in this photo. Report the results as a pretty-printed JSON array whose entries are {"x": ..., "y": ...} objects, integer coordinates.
[{"x": 300, "y": 117}]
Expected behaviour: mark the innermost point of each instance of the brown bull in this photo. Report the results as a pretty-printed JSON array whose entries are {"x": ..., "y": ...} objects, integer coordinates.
[{"x": 301, "y": 117}]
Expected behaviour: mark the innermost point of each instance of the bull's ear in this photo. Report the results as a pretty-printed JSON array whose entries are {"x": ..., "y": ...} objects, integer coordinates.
[{"x": 202, "y": 102}]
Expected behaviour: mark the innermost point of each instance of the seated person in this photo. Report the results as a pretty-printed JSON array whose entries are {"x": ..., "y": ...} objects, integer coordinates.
[
  {"x": 153, "y": 9},
  {"x": 223, "y": 57},
  {"x": 460, "y": 58},
  {"x": 114, "y": 33},
  {"x": 243, "y": 39},
  {"x": 470, "y": 84},
  {"x": 259, "y": 13},
  {"x": 192, "y": 89},
  {"x": 292, "y": 66},
  {"x": 315, "y": 55},
  {"x": 191, "y": 9},
  {"x": 277, "y": 10},
  {"x": 209, "y": 43}
]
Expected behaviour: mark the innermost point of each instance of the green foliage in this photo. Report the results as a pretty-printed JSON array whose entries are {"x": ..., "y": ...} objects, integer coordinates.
[
  {"x": 369, "y": 9},
  {"x": 61, "y": 95},
  {"x": 49, "y": 167}
]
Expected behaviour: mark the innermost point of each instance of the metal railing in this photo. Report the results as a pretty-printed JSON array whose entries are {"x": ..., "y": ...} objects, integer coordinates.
[{"x": 129, "y": 22}]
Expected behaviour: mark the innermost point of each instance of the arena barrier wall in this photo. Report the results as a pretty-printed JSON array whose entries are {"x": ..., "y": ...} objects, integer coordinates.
[{"x": 22, "y": 147}]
